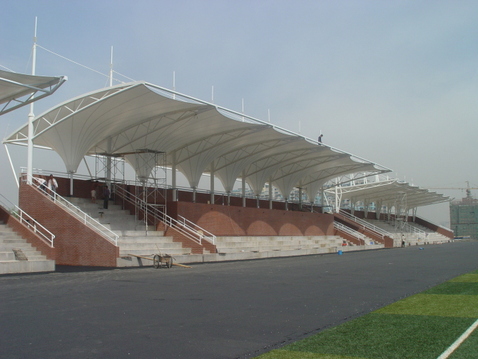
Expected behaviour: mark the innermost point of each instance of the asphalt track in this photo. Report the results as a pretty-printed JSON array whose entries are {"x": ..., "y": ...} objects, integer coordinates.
[{"x": 218, "y": 310}]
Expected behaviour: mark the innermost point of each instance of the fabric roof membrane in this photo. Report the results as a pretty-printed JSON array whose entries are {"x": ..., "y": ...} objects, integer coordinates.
[
  {"x": 196, "y": 137},
  {"x": 390, "y": 192},
  {"x": 17, "y": 90}
]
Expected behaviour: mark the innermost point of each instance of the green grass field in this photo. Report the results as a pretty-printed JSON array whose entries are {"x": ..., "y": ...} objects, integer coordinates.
[{"x": 422, "y": 326}]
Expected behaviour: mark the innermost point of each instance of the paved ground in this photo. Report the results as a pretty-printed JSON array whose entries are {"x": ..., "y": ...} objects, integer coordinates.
[{"x": 220, "y": 310}]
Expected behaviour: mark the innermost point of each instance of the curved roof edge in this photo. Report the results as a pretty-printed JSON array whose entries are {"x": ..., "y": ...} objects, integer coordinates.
[
  {"x": 18, "y": 90},
  {"x": 129, "y": 116},
  {"x": 389, "y": 191}
]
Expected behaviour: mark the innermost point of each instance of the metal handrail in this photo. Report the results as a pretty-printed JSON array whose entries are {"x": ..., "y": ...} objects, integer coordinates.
[
  {"x": 194, "y": 227},
  {"x": 195, "y": 233},
  {"x": 89, "y": 221},
  {"x": 366, "y": 225},
  {"x": 350, "y": 231},
  {"x": 29, "y": 222},
  {"x": 412, "y": 229}
]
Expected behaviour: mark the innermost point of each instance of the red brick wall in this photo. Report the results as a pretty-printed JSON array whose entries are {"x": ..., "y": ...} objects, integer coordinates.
[
  {"x": 351, "y": 224},
  {"x": 75, "y": 244},
  {"x": 239, "y": 221},
  {"x": 348, "y": 237},
  {"x": 443, "y": 231}
]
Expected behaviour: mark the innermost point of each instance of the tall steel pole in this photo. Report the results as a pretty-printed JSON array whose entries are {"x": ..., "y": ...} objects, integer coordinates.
[
  {"x": 31, "y": 115},
  {"x": 111, "y": 67}
]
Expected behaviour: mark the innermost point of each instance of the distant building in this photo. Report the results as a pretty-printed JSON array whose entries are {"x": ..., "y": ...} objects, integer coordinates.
[{"x": 464, "y": 217}]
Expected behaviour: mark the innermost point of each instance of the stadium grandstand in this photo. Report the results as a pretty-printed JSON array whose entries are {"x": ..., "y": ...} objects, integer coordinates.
[{"x": 190, "y": 180}]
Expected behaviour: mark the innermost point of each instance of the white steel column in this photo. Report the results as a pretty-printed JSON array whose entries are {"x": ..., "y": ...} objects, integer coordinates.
[
  {"x": 378, "y": 209},
  {"x": 270, "y": 194},
  {"x": 243, "y": 190},
  {"x": 108, "y": 163},
  {"x": 11, "y": 165},
  {"x": 300, "y": 198},
  {"x": 212, "y": 185},
  {"x": 173, "y": 178},
  {"x": 111, "y": 67},
  {"x": 338, "y": 197},
  {"x": 71, "y": 182},
  {"x": 31, "y": 115}
]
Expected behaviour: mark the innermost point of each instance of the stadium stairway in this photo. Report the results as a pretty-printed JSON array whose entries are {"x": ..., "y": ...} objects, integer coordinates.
[
  {"x": 18, "y": 256},
  {"x": 134, "y": 237},
  {"x": 420, "y": 237}
]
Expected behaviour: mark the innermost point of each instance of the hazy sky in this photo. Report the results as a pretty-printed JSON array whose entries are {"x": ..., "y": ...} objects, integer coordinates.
[{"x": 395, "y": 82}]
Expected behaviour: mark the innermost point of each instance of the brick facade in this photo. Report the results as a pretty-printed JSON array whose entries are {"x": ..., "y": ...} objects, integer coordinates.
[
  {"x": 243, "y": 221},
  {"x": 75, "y": 244}
]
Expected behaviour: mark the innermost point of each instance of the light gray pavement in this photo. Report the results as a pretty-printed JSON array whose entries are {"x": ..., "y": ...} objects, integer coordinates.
[{"x": 218, "y": 310}]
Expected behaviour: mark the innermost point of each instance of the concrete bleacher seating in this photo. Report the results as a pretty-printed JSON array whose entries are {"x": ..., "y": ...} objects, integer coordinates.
[
  {"x": 32, "y": 261},
  {"x": 421, "y": 236},
  {"x": 273, "y": 243},
  {"x": 278, "y": 246}
]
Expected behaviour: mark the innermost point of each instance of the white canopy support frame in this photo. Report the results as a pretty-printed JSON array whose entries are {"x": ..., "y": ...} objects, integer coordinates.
[
  {"x": 18, "y": 90},
  {"x": 392, "y": 193},
  {"x": 196, "y": 137}
]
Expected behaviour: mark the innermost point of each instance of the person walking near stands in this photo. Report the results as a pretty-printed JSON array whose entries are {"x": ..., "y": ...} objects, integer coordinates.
[
  {"x": 52, "y": 185},
  {"x": 106, "y": 196}
]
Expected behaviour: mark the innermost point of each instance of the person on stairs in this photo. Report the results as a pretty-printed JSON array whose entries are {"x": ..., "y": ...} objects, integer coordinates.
[
  {"x": 106, "y": 196},
  {"x": 52, "y": 185}
]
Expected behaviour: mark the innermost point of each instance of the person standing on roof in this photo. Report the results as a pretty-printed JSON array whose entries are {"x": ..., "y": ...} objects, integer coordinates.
[{"x": 320, "y": 139}]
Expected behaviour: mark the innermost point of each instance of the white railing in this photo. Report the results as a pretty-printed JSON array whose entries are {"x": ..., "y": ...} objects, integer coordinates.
[
  {"x": 194, "y": 227},
  {"x": 185, "y": 227},
  {"x": 412, "y": 229},
  {"x": 29, "y": 222},
  {"x": 366, "y": 225},
  {"x": 86, "y": 219},
  {"x": 350, "y": 231}
]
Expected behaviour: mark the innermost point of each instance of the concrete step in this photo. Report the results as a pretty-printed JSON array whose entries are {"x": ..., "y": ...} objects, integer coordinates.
[
  {"x": 25, "y": 247},
  {"x": 149, "y": 246},
  {"x": 263, "y": 244},
  {"x": 141, "y": 233},
  {"x": 140, "y": 240},
  {"x": 7, "y": 256},
  {"x": 5, "y": 234},
  {"x": 35, "y": 261},
  {"x": 30, "y": 266},
  {"x": 28, "y": 252},
  {"x": 142, "y": 252}
]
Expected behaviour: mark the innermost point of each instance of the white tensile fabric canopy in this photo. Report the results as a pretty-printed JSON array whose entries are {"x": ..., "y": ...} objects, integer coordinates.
[
  {"x": 17, "y": 90},
  {"x": 390, "y": 193},
  {"x": 196, "y": 137}
]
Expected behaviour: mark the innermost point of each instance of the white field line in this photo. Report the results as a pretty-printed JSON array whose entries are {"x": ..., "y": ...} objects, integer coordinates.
[{"x": 458, "y": 342}]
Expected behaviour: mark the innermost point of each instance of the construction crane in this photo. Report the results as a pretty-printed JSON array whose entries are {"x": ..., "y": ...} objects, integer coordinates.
[{"x": 467, "y": 188}]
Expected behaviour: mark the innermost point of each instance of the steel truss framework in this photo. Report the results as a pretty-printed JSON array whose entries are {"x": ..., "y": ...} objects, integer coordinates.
[
  {"x": 17, "y": 90},
  {"x": 382, "y": 194}
]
